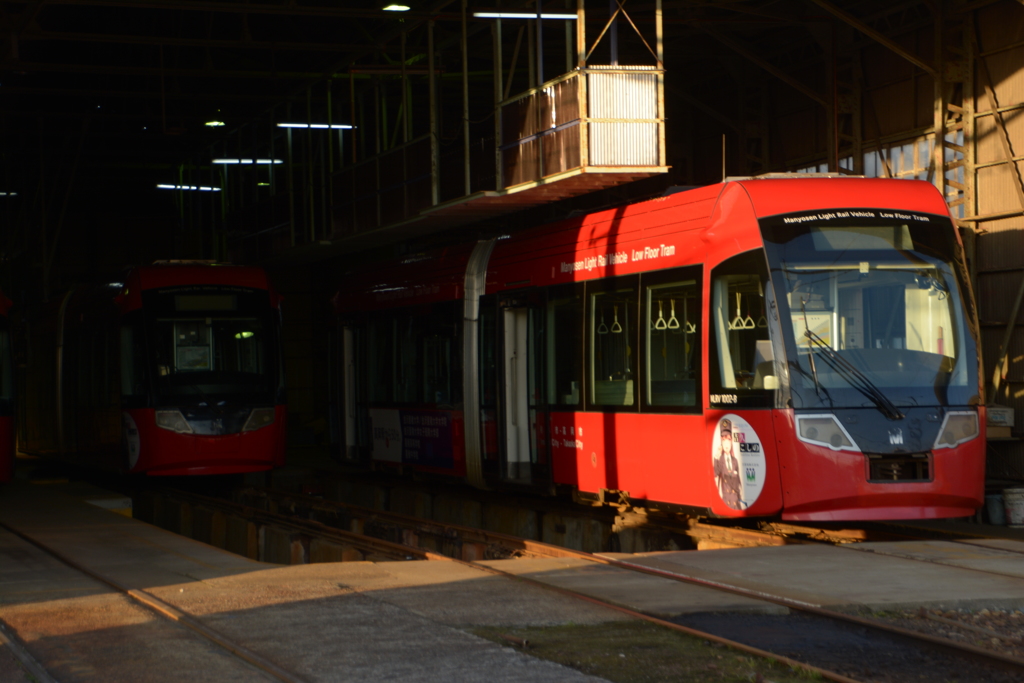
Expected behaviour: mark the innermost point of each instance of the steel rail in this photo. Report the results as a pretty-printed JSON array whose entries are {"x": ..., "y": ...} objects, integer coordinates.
[
  {"x": 541, "y": 549},
  {"x": 1013, "y": 663},
  {"x": 764, "y": 654},
  {"x": 167, "y": 611},
  {"x": 535, "y": 548},
  {"x": 21, "y": 653},
  {"x": 419, "y": 524},
  {"x": 316, "y": 528}
]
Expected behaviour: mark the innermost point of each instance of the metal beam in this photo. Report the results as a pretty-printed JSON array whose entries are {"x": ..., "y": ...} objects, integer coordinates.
[
  {"x": 126, "y": 94},
  {"x": 874, "y": 35},
  {"x": 1004, "y": 136},
  {"x": 467, "y": 177},
  {"x": 67, "y": 36},
  {"x": 109, "y": 69},
  {"x": 26, "y": 16},
  {"x": 283, "y": 8},
  {"x": 767, "y": 66},
  {"x": 939, "y": 106}
]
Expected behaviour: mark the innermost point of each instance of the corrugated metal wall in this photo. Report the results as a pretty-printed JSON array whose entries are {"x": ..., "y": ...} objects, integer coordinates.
[
  {"x": 999, "y": 62},
  {"x": 895, "y": 137},
  {"x": 631, "y": 99}
]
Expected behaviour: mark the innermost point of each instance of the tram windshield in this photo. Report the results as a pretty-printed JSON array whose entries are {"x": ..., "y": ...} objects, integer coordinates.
[
  {"x": 872, "y": 309},
  {"x": 212, "y": 345}
]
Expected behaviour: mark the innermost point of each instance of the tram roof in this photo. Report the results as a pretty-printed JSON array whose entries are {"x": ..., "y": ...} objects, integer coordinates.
[
  {"x": 556, "y": 253},
  {"x": 171, "y": 274},
  {"x": 772, "y": 196},
  {"x": 179, "y": 274}
]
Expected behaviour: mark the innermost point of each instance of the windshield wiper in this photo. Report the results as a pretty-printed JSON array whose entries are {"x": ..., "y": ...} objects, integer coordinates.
[
  {"x": 857, "y": 379},
  {"x": 808, "y": 333}
]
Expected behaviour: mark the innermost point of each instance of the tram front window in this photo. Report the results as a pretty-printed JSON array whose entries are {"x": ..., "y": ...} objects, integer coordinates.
[
  {"x": 202, "y": 344},
  {"x": 883, "y": 296},
  {"x": 211, "y": 355}
]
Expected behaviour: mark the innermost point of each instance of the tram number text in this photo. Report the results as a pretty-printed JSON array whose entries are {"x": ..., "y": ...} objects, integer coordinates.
[{"x": 724, "y": 398}]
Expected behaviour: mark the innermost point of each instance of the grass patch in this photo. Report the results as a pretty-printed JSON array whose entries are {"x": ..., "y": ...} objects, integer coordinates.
[{"x": 639, "y": 652}]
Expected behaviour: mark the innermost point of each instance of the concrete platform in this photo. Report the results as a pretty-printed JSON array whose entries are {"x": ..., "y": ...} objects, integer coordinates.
[
  {"x": 408, "y": 620},
  {"x": 875, "y": 576},
  {"x": 343, "y": 621}
]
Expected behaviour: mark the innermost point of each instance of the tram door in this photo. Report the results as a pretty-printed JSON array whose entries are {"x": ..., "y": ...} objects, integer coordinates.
[
  {"x": 520, "y": 391},
  {"x": 744, "y": 342}
]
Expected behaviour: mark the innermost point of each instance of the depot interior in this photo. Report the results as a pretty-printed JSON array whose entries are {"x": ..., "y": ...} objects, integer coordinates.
[{"x": 305, "y": 136}]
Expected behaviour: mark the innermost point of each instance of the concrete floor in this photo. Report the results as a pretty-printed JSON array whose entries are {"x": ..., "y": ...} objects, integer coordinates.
[{"x": 399, "y": 620}]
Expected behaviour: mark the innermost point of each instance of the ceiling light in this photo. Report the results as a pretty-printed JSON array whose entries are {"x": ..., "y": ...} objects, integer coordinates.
[
  {"x": 522, "y": 15},
  {"x": 215, "y": 124},
  {"x": 315, "y": 125},
  {"x": 199, "y": 188},
  {"x": 396, "y": 8},
  {"x": 8, "y": 194},
  {"x": 247, "y": 161}
]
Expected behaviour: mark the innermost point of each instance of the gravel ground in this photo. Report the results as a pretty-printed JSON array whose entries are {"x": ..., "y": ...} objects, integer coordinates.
[
  {"x": 852, "y": 650},
  {"x": 1001, "y": 631}
]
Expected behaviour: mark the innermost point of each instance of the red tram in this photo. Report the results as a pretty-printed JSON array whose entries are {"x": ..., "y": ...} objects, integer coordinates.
[
  {"x": 175, "y": 371},
  {"x": 6, "y": 395},
  {"x": 804, "y": 348}
]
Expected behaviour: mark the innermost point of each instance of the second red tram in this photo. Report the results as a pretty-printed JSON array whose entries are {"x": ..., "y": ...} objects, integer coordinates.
[
  {"x": 7, "y": 427},
  {"x": 174, "y": 371},
  {"x": 798, "y": 348}
]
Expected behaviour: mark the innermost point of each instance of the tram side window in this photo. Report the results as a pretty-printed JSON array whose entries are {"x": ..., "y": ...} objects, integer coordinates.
[
  {"x": 110, "y": 385},
  {"x": 133, "y": 360},
  {"x": 93, "y": 375},
  {"x": 406, "y": 336},
  {"x": 673, "y": 343},
  {"x": 80, "y": 343},
  {"x": 6, "y": 373},
  {"x": 380, "y": 338},
  {"x": 488, "y": 375},
  {"x": 440, "y": 341},
  {"x": 742, "y": 358},
  {"x": 412, "y": 356},
  {"x": 612, "y": 360},
  {"x": 564, "y": 346}
]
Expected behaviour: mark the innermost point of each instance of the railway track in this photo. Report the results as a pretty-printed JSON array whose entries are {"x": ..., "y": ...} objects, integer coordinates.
[
  {"x": 163, "y": 610},
  {"x": 403, "y": 536},
  {"x": 663, "y": 525}
]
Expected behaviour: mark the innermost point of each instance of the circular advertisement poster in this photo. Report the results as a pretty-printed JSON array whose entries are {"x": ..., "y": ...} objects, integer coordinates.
[{"x": 739, "y": 464}]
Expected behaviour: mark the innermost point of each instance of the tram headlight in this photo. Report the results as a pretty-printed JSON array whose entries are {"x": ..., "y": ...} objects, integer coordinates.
[
  {"x": 259, "y": 418},
  {"x": 958, "y": 427},
  {"x": 173, "y": 420},
  {"x": 824, "y": 430}
]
